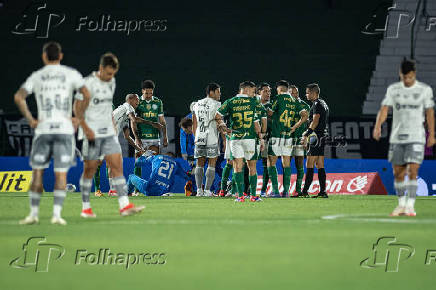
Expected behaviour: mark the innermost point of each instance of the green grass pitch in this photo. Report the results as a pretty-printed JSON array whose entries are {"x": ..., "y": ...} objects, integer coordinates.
[{"x": 211, "y": 243}]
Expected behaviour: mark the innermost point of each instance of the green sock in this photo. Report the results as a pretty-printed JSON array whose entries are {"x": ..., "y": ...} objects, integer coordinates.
[
  {"x": 265, "y": 179},
  {"x": 253, "y": 184},
  {"x": 286, "y": 180},
  {"x": 225, "y": 176},
  {"x": 233, "y": 183},
  {"x": 97, "y": 179},
  {"x": 274, "y": 181},
  {"x": 239, "y": 180},
  {"x": 300, "y": 176}
]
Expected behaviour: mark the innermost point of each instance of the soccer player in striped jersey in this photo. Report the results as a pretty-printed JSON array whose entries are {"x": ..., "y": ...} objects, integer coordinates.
[{"x": 53, "y": 86}]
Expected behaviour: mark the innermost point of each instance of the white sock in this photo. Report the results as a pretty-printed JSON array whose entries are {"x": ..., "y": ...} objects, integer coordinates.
[
  {"x": 411, "y": 202},
  {"x": 402, "y": 201},
  {"x": 34, "y": 211},
  {"x": 86, "y": 205},
  {"x": 57, "y": 210},
  {"x": 110, "y": 184},
  {"x": 123, "y": 201}
]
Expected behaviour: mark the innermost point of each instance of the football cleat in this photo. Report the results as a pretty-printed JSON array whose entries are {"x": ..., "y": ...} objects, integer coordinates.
[
  {"x": 300, "y": 195},
  {"x": 255, "y": 199},
  {"x": 200, "y": 192},
  {"x": 221, "y": 193},
  {"x": 274, "y": 195},
  {"x": 131, "y": 209},
  {"x": 263, "y": 194},
  {"x": 58, "y": 221},
  {"x": 98, "y": 193},
  {"x": 112, "y": 193},
  {"x": 321, "y": 195},
  {"x": 410, "y": 211},
  {"x": 87, "y": 213},
  {"x": 29, "y": 220},
  {"x": 208, "y": 193},
  {"x": 399, "y": 210},
  {"x": 240, "y": 199}
]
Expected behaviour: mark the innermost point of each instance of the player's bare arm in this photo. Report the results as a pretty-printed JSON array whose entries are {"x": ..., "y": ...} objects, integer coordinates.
[
  {"x": 156, "y": 125},
  {"x": 164, "y": 130},
  {"x": 20, "y": 100},
  {"x": 303, "y": 118},
  {"x": 194, "y": 124},
  {"x": 79, "y": 108},
  {"x": 429, "y": 116},
  {"x": 382, "y": 115},
  {"x": 126, "y": 134},
  {"x": 311, "y": 128},
  {"x": 221, "y": 125}
]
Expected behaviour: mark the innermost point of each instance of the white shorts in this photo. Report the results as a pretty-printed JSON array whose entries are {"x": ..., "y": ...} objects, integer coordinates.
[
  {"x": 400, "y": 154},
  {"x": 280, "y": 146},
  {"x": 244, "y": 148},
  {"x": 298, "y": 150}
]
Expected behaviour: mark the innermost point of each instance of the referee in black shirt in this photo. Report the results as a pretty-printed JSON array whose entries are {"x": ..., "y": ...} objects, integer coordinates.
[{"x": 314, "y": 139}]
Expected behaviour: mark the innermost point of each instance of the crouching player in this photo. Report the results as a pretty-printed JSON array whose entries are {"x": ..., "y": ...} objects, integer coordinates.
[{"x": 164, "y": 171}]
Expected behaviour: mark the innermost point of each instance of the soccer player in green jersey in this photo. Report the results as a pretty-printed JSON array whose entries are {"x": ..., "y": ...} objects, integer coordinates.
[
  {"x": 284, "y": 109},
  {"x": 244, "y": 129},
  {"x": 264, "y": 91},
  {"x": 298, "y": 149},
  {"x": 150, "y": 108}
]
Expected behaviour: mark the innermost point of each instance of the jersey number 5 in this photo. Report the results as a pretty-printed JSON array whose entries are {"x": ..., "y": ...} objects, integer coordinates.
[{"x": 166, "y": 170}]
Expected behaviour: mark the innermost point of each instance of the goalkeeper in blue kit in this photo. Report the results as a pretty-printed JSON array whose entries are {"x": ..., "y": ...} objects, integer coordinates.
[{"x": 164, "y": 172}]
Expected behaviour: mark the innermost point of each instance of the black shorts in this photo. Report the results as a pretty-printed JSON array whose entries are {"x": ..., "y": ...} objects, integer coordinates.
[{"x": 316, "y": 146}]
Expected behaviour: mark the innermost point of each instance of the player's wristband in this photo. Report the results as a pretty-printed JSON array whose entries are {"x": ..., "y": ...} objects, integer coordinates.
[{"x": 308, "y": 132}]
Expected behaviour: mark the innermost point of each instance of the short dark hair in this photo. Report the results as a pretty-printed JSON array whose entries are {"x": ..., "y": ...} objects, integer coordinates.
[
  {"x": 212, "y": 87},
  {"x": 148, "y": 84},
  {"x": 109, "y": 59},
  {"x": 293, "y": 87},
  {"x": 282, "y": 83},
  {"x": 262, "y": 85},
  {"x": 53, "y": 50},
  {"x": 185, "y": 123},
  {"x": 314, "y": 88},
  {"x": 407, "y": 65},
  {"x": 247, "y": 84}
]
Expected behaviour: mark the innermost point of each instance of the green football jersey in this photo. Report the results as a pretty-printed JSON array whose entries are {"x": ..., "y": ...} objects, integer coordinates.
[
  {"x": 285, "y": 108},
  {"x": 300, "y": 130},
  {"x": 268, "y": 107},
  {"x": 261, "y": 112},
  {"x": 241, "y": 110},
  {"x": 149, "y": 110}
]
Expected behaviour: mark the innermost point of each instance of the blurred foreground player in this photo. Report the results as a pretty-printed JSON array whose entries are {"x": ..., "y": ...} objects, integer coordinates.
[
  {"x": 99, "y": 136},
  {"x": 53, "y": 86},
  {"x": 164, "y": 171},
  {"x": 314, "y": 137},
  {"x": 410, "y": 100}
]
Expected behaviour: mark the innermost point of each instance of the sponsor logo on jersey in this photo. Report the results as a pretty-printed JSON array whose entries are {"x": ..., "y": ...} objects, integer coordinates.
[{"x": 15, "y": 181}]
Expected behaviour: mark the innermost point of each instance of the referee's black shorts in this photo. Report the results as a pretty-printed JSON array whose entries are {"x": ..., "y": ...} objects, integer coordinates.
[{"x": 316, "y": 145}]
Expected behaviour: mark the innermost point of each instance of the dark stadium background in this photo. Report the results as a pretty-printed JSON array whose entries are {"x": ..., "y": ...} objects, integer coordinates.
[{"x": 227, "y": 42}]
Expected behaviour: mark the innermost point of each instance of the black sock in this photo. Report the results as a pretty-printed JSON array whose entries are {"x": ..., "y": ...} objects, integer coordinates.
[
  {"x": 308, "y": 179},
  {"x": 246, "y": 180},
  {"x": 322, "y": 178}
]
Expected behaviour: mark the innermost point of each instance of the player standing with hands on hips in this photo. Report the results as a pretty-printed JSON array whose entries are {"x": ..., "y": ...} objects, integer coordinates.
[{"x": 410, "y": 100}]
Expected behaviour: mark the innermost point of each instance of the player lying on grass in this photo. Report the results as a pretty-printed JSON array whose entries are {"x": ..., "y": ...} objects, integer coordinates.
[
  {"x": 164, "y": 171},
  {"x": 99, "y": 134},
  {"x": 123, "y": 117}
]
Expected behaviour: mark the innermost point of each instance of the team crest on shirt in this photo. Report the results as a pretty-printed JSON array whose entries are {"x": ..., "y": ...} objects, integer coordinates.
[
  {"x": 148, "y": 106},
  {"x": 154, "y": 106}
]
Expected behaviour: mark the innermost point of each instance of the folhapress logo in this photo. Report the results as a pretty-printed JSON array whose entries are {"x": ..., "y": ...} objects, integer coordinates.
[
  {"x": 37, "y": 20},
  {"x": 387, "y": 253},
  {"x": 38, "y": 255}
]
